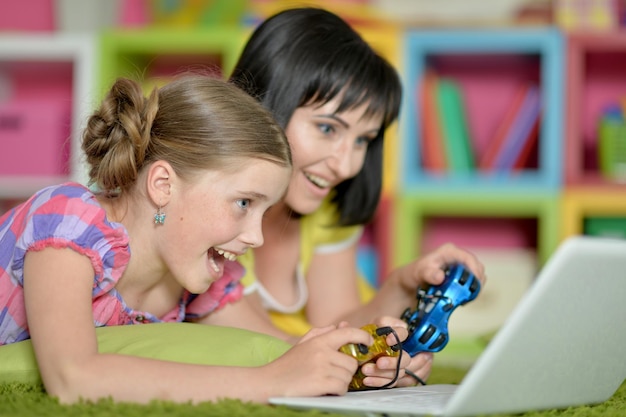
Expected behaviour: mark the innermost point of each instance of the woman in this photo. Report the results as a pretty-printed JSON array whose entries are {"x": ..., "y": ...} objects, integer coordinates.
[{"x": 335, "y": 97}]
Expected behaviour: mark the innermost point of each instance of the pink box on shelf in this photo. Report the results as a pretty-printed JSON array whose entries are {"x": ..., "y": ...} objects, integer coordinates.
[
  {"x": 27, "y": 15},
  {"x": 35, "y": 137}
]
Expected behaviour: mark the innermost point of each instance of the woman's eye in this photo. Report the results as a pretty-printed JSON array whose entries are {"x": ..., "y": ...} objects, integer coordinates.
[
  {"x": 244, "y": 203},
  {"x": 325, "y": 128},
  {"x": 364, "y": 141}
]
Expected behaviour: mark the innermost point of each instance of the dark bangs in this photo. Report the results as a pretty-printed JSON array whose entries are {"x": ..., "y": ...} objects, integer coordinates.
[
  {"x": 360, "y": 75},
  {"x": 309, "y": 56}
]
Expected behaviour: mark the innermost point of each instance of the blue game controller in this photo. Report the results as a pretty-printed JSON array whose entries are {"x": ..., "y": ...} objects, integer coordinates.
[{"x": 428, "y": 324}]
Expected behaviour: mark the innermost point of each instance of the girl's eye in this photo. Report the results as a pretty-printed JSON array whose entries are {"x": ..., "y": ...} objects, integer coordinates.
[{"x": 243, "y": 203}]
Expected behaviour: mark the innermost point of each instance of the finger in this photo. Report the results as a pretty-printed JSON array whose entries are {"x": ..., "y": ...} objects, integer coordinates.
[
  {"x": 450, "y": 254},
  {"x": 470, "y": 261},
  {"x": 420, "y": 360},
  {"x": 316, "y": 331},
  {"x": 343, "y": 324},
  {"x": 391, "y": 362},
  {"x": 339, "y": 337},
  {"x": 389, "y": 321},
  {"x": 420, "y": 367},
  {"x": 345, "y": 364},
  {"x": 410, "y": 380},
  {"x": 377, "y": 382},
  {"x": 373, "y": 370},
  {"x": 398, "y": 335}
]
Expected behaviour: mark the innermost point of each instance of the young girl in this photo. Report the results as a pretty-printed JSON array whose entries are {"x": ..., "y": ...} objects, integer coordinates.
[
  {"x": 335, "y": 97},
  {"x": 184, "y": 178}
]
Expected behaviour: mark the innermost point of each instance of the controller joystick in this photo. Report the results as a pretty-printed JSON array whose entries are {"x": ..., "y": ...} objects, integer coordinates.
[
  {"x": 366, "y": 354},
  {"x": 428, "y": 324}
]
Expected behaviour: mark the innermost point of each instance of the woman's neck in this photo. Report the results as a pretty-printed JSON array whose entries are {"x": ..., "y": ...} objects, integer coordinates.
[{"x": 280, "y": 216}]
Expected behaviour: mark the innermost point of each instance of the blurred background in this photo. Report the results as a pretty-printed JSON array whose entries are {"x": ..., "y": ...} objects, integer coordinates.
[{"x": 529, "y": 149}]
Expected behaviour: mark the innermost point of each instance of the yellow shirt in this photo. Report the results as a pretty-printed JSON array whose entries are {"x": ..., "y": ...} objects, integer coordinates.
[{"x": 317, "y": 234}]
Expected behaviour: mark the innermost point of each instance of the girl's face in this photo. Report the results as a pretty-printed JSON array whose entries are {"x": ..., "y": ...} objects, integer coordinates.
[
  {"x": 218, "y": 216},
  {"x": 327, "y": 148}
]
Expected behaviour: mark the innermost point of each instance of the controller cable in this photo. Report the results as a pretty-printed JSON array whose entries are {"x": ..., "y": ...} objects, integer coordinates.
[
  {"x": 415, "y": 377},
  {"x": 398, "y": 347}
]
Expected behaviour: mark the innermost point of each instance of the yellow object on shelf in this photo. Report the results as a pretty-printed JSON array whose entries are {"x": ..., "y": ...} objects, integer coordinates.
[
  {"x": 586, "y": 14},
  {"x": 582, "y": 203},
  {"x": 194, "y": 13}
]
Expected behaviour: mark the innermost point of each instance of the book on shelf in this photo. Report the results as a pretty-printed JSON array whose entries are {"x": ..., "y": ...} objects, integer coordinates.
[
  {"x": 433, "y": 154},
  {"x": 529, "y": 143},
  {"x": 487, "y": 161},
  {"x": 456, "y": 138},
  {"x": 521, "y": 130},
  {"x": 517, "y": 134}
]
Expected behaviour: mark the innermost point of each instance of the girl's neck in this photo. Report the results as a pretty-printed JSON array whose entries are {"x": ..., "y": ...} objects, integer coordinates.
[{"x": 146, "y": 284}]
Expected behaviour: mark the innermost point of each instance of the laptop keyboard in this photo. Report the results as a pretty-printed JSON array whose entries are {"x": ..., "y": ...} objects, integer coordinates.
[{"x": 402, "y": 397}]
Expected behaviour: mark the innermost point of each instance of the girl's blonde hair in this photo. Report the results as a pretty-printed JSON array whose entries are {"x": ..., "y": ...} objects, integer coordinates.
[{"x": 195, "y": 122}]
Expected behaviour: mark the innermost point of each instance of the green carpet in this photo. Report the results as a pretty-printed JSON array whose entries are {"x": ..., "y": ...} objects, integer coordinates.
[{"x": 22, "y": 400}]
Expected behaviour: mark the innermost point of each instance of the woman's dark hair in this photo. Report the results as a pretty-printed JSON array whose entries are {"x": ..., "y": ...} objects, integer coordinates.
[{"x": 308, "y": 56}]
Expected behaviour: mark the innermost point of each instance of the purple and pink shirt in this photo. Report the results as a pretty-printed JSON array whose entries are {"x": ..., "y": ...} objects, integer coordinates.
[{"x": 69, "y": 216}]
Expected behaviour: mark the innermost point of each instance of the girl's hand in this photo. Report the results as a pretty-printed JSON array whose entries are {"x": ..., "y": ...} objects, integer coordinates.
[
  {"x": 315, "y": 366},
  {"x": 385, "y": 368}
]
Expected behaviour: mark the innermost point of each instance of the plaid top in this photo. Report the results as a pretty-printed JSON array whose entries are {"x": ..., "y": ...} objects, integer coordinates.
[{"x": 69, "y": 216}]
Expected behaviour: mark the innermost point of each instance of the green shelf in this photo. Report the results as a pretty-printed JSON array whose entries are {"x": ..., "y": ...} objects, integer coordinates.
[{"x": 411, "y": 210}]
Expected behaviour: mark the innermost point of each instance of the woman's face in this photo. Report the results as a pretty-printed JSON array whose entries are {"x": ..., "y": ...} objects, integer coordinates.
[{"x": 327, "y": 148}]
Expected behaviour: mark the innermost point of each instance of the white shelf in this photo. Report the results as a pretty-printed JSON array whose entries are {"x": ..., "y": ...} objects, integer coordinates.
[{"x": 80, "y": 51}]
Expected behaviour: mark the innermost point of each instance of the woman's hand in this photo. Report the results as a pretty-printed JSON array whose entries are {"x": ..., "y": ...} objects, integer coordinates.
[{"x": 430, "y": 268}]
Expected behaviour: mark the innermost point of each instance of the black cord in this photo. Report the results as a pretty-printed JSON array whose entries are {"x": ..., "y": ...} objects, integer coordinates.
[
  {"x": 417, "y": 378},
  {"x": 398, "y": 345}
]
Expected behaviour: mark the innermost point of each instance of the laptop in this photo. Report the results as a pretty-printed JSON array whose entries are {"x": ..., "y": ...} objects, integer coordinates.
[{"x": 563, "y": 345}]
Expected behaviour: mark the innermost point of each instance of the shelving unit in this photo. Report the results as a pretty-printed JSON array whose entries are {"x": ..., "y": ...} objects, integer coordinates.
[
  {"x": 386, "y": 41},
  {"x": 56, "y": 81},
  {"x": 489, "y": 65},
  {"x": 514, "y": 212},
  {"x": 596, "y": 77},
  {"x": 481, "y": 209},
  {"x": 46, "y": 85},
  {"x": 596, "y": 65},
  {"x": 583, "y": 203},
  {"x": 152, "y": 53},
  {"x": 529, "y": 220}
]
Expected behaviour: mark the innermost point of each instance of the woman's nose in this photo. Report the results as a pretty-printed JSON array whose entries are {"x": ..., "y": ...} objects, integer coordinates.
[{"x": 340, "y": 159}]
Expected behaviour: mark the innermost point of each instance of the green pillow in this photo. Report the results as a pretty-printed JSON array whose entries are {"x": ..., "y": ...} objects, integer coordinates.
[{"x": 178, "y": 342}]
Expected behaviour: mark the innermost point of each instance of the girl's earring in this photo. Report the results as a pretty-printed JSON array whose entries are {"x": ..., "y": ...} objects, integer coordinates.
[{"x": 159, "y": 217}]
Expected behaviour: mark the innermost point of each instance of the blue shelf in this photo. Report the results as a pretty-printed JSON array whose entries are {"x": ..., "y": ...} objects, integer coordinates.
[{"x": 547, "y": 45}]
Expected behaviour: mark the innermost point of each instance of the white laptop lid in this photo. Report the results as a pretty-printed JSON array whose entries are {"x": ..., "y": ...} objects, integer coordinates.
[{"x": 563, "y": 345}]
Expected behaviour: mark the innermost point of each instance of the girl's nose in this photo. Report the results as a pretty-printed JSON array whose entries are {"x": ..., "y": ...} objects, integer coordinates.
[{"x": 252, "y": 235}]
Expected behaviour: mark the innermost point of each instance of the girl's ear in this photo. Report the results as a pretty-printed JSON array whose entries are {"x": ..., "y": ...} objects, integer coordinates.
[{"x": 159, "y": 182}]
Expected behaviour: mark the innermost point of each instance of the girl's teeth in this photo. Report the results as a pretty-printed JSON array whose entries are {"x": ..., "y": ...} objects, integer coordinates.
[
  {"x": 228, "y": 255},
  {"x": 213, "y": 264}
]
